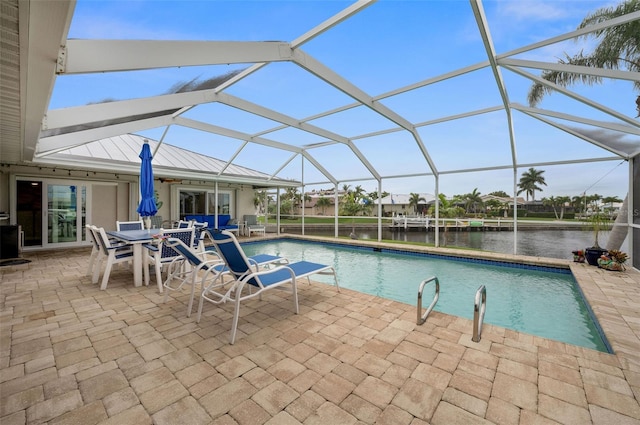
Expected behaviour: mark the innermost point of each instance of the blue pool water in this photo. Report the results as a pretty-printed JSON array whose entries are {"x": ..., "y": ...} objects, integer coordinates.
[{"x": 536, "y": 300}]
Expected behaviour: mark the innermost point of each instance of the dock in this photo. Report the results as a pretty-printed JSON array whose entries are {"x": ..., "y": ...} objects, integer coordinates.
[{"x": 456, "y": 224}]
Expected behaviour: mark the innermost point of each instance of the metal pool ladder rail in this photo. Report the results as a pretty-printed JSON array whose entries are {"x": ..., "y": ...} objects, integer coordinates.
[
  {"x": 478, "y": 313},
  {"x": 423, "y": 317}
]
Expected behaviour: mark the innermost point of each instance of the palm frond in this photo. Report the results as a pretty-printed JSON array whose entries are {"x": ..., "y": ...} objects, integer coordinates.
[{"x": 618, "y": 48}]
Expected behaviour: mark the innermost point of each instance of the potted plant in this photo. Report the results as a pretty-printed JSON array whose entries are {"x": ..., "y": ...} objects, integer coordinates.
[{"x": 597, "y": 222}]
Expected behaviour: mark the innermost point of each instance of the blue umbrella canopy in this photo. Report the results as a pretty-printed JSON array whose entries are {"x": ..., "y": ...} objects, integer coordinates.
[{"x": 147, "y": 205}]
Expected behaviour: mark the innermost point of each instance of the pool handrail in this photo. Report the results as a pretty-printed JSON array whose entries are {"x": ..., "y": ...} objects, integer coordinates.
[
  {"x": 423, "y": 317},
  {"x": 479, "y": 308}
]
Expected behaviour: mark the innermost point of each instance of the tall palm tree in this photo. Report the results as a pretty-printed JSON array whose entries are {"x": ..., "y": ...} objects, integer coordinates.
[
  {"x": 618, "y": 47},
  {"x": 553, "y": 203},
  {"x": 578, "y": 204},
  {"x": 563, "y": 201},
  {"x": 529, "y": 182},
  {"x": 473, "y": 200},
  {"x": 414, "y": 200}
]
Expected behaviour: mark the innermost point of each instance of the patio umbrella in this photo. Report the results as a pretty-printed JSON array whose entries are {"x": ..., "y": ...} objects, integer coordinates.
[{"x": 147, "y": 207}]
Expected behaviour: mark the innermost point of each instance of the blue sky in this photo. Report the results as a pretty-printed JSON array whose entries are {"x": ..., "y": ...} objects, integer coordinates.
[{"x": 388, "y": 45}]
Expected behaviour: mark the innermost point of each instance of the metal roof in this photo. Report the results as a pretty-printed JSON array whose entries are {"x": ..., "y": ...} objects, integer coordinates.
[
  {"x": 36, "y": 51},
  {"x": 121, "y": 153}
]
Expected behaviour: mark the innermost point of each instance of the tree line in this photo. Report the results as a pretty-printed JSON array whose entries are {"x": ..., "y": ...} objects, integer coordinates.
[{"x": 358, "y": 202}]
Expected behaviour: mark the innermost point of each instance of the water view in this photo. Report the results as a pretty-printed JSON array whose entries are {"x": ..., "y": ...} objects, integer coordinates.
[{"x": 539, "y": 243}]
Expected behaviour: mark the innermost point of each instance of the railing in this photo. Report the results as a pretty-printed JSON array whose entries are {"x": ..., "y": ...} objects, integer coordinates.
[
  {"x": 478, "y": 313},
  {"x": 423, "y": 317}
]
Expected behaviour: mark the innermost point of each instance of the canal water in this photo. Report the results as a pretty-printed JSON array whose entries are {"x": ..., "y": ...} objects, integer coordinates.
[{"x": 538, "y": 243}]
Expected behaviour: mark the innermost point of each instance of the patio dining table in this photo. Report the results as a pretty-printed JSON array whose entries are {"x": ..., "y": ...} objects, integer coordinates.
[{"x": 136, "y": 238}]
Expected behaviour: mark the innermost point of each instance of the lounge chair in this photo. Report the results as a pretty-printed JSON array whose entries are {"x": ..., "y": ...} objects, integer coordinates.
[
  {"x": 210, "y": 267},
  {"x": 245, "y": 272}
]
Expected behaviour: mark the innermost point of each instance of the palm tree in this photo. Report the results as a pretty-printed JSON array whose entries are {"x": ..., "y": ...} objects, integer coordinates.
[
  {"x": 617, "y": 47},
  {"x": 259, "y": 197},
  {"x": 448, "y": 208},
  {"x": 323, "y": 203},
  {"x": 553, "y": 203},
  {"x": 529, "y": 182},
  {"x": 563, "y": 201},
  {"x": 473, "y": 200},
  {"x": 578, "y": 204},
  {"x": 414, "y": 200}
]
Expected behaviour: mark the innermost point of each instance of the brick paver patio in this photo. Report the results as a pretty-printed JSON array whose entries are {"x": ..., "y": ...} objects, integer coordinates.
[{"x": 72, "y": 354}]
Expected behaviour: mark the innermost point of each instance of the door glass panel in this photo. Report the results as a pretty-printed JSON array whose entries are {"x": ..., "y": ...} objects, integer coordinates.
[
  {"x": 29, "y": 211},
  {"x": 62, "y": 205},
  {"x": 191, "y": 202},
  {"x": 224, "y": 203}
]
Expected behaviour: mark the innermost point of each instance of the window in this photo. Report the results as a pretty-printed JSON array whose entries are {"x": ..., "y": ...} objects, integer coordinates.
[
  {"x": 203, "y": 202},
  {"x": 192, "y": 202}
]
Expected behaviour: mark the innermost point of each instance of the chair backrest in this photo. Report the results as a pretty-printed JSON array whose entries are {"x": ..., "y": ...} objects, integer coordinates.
[
  {"x": 251, "y": 220},
  {"x": 91, "y": 236},
  {"x": 156, "y": 221},
  {"x": 183, "y": 224},
  {"x": 102, "y": 238},
  {"x": 185, "y": 235},
  {"x": 230, "y": 251},
  {"x": 199, "y": 234},
  {"x": 129, "y": 225},
  {"x": 181, "y": 249}
]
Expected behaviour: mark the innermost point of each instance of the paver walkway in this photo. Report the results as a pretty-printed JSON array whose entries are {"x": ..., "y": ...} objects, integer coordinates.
[{"x": 72, "y": 354}]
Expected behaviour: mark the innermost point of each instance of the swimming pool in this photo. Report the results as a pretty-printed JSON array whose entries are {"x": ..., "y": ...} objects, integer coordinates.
[{"x": 537, "y": 300}]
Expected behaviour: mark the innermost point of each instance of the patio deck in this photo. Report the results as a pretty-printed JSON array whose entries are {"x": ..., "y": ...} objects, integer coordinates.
[{"x": 73, "y": 354}]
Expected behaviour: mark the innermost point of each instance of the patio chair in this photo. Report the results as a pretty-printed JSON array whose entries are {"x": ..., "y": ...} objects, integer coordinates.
[
  {"x": 129, "y": 225},
  {"x": 252, "y": 226},
  {"x": 184, "y": 224},
  {"x": 199, "y": 235},
  {"x": 244, "y": 272},
  {"x": 211, "y": 266},
  {"x": 114, "y": 253},
  {"x": 160, "y": 254},
  {"x": 95, "y": 249}
]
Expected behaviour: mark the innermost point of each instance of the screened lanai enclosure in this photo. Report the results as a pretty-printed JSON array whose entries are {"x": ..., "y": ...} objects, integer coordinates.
[{"x": 391, "y": 96}]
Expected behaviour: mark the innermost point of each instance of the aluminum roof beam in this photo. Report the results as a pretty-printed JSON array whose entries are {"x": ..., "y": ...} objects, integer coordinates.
[
  {"x": 89, "y": 56},
  {"x": 324, "y": 73},
  {"x": 483, "y": 27}
]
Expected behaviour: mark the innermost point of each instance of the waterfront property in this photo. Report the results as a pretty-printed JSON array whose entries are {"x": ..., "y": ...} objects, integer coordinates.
[{"x": 72, "y": 353}]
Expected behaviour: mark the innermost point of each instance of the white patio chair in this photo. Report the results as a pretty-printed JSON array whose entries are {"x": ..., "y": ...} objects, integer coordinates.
[{"x": 114, "y": 254}]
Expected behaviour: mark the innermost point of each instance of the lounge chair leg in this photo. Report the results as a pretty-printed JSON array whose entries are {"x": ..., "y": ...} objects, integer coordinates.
[
  {"x": 193, "y": 292},
  {"x": 236, "y": 315},
  {"x": 294, "y": 289},
  {"x": 200, "y": 309}
]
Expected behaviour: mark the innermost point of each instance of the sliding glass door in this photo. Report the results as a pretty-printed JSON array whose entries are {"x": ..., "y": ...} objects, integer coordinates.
[{"x": 66, "y": 209}]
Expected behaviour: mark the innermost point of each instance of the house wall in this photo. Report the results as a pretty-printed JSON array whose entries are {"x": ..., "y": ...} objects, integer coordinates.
[{"x": 118, "y": 192}]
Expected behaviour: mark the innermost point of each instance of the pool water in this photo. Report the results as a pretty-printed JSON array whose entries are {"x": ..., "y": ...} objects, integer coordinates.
[{"x": 536, "y": 300}]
